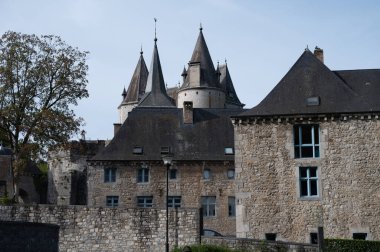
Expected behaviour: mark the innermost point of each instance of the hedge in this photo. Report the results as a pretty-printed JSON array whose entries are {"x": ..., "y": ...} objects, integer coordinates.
[{"x": 342, "y": 245}]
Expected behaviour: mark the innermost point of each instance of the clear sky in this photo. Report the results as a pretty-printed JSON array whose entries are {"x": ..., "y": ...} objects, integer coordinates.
[{"x": 260, "y": 40}]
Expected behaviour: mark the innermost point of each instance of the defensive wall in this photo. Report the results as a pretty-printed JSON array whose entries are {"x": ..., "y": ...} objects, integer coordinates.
[{"x": 82, "y": 228}]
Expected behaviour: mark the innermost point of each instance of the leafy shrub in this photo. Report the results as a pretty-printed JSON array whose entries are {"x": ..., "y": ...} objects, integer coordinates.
[{"x": 343, "y": 245}]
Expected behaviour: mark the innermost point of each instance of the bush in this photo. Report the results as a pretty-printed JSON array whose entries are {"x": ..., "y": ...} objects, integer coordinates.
[{"x": 342, "y": 245}]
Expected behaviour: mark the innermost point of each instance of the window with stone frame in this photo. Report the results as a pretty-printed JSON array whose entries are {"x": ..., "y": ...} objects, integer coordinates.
[
  {"x": 359, "y": 236},
  {"x": 145, "y": 201},
  {"x": 306, "y": 141},
  {"x": 109, "y": 175},
  {"x": 112, "y": 201},
  {"x": 206, "y": 174},
  {"x": 143, "y": 175},
  {"x": 231, "y": 173},
  {"x": 208, "y": 206},
  {"x": 173, "y": 174},
  {"x": 314, "y": 238},
  {"x": 174, "y": 201},
  {"x": 231, "y": 207},
  {"x": 308, "y": 181}
]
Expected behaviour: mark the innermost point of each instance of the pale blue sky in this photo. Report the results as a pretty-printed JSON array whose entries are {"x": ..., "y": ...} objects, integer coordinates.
[{"x": 261, "y": 40}]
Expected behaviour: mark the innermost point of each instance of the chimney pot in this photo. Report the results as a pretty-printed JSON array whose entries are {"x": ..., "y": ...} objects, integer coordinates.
[{"x": 318, "y": 52}]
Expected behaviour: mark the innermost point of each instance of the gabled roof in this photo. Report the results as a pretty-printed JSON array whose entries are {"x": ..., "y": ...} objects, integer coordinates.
[
  {"x": 228, "y": 86},
  {"x": 153, "y": 128},
  {"x": 155, "y": 91},
  {"x": 136, "y": 88},
  {"x": 309, "y": 83},
  {"x": 201, "y": 55}
]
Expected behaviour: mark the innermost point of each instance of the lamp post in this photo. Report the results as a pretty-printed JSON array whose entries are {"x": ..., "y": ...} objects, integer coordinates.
[{"x": 168, "y": 162}]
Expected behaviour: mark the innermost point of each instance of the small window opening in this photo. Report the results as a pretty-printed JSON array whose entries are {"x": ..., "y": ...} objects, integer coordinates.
[
  {"x": 359, "y": 236},
  {"x": 138, "y": 150},
  {"x": 314, "y": 238},
  {"x": 313, "y": 101},
  {"x": 231, "y": 173},
  {"x": 165, "y": 150},
  {"x": 206, "y": 174},
  {"x": 228, "y": 151},
  {"x": 270, "y": 236}
]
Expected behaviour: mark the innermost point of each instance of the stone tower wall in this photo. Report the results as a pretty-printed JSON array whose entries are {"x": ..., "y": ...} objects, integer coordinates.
[
  {"x": 202, "y": 98},
  {"x": 267, "y": 180}
]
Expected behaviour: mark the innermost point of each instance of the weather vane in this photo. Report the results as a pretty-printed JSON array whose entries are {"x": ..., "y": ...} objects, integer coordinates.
[{"x": 155, "y": 35}]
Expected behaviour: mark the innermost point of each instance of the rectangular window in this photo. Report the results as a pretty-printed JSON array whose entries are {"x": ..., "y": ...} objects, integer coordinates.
[
  {"x": 231, "y": 207},
  {"x": 145, "y": 201},
  {"x": 208, "y": 206},
  {"x": 306, "y": 141},
  {"x": 270, "y": 236},
  {"x": 173, "y": 174},
  {"x": 174, "y": 201},
  {"x": 231, "y": 173},
  {"x": 228, "y": 151},
  {"x": 109, "y": 175},
  {"x": 308, "y": 181},
  {"x": 314, "y": 238},
  {"x": 138, "y": 150},
  {"x": 112, "y": 201},
  {"x": 206, "y": 174},
  {"x": 165, "y": 150},
  {"x": 359, "y": 236},
  {"x": 143, "y": 175}
]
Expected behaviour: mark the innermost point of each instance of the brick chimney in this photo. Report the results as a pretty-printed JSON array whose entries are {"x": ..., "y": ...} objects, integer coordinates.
[
  {"x": 116, "y": 127},
  {"x": 318, "y": 52},
  {"x": 188, "y": 112}
]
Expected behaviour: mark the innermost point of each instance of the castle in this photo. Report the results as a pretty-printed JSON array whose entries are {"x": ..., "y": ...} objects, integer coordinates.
[{"x": 307, "y": 156}]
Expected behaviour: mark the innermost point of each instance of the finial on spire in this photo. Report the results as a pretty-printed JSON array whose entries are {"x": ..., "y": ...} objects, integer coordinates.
[
  {"x": 225, "y": 61},
  {"x": 155, "y": 34},
  {"x": 307, "y": 48},
  {"x": 200, "y": 27},
  {"x": 141, "y": 50}
]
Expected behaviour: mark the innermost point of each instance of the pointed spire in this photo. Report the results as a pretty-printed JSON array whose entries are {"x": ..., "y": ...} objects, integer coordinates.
[
  {"x": 201, "y": 57},
  {"x": 155, "y": 91},
  {"x": 228, "y": 87},
  {"x": 138, "y": 82},
  {"x": 124, "y": 93}
]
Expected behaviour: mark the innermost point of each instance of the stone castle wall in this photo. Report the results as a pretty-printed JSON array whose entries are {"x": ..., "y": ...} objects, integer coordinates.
[
  {"x": 109, "y": 229},
  {"x": 189, "y": 184},
  {"x": 68, "y": 171},
  {"x": 267, "y": 182}
]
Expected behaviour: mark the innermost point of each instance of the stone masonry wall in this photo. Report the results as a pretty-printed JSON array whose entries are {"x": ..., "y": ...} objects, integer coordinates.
[
  {"x": 110, "y": 229},
  {"x": 267, "y": 182},
  {"x": 189, "y": 184}
]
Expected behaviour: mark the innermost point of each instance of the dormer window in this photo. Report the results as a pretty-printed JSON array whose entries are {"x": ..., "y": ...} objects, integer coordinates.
[
  {"x": 313, "y": 101},
  {"x": 228, "y": 151},
  {"x": 165, "y": 150},
  {"x": 138, "y": 150}
]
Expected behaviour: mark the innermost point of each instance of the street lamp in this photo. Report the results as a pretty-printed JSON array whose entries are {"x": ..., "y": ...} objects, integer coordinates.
[{"x": 168, "y": 162}]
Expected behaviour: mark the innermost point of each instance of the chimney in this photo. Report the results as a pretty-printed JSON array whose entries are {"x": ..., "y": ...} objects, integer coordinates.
[
  {"x": 116, "y": 127},
  {"x": 318, "y": 52},
  {"x": 188, "y": 112}
]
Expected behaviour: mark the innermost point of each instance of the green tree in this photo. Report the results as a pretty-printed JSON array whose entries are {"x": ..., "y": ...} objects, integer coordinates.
[{"x": 41, "y": 79}]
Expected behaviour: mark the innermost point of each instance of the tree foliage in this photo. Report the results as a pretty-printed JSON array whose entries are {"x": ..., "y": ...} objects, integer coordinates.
[{"x": 41, "y": 78}]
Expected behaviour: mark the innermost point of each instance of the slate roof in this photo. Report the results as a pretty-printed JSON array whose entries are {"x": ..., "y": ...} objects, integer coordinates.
[
  {"x": 136, "y": 88},
  {"x": 228, "y": 86},
  {"x": 201, "y": 55},
  {"x": 155, "y": 91},
  {"x": 354, "y": 91},
  {"x": 153, "y": 128}
]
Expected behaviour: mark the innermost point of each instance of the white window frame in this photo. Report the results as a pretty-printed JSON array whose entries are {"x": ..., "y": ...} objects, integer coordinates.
[
  {"x": 144, "y": 177},
  {"x": 209, "y": 206},
  {"x": 109, "y": 175},
  {"x": 174, "y": 201},
  {"x": 315, "y": 143},
  {"x": 112, "y": 201},
  {"x": 308, "y": 179},
  {"x": 147, "y": 201}
]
